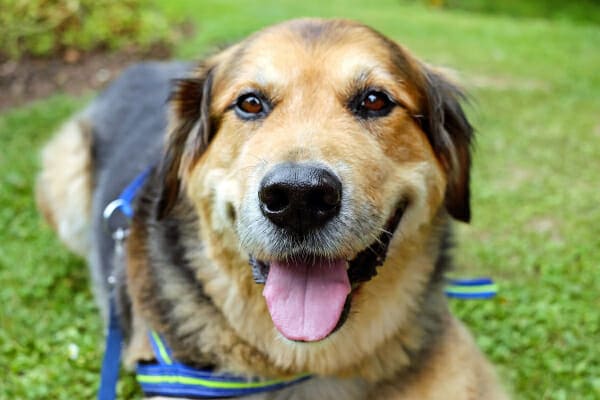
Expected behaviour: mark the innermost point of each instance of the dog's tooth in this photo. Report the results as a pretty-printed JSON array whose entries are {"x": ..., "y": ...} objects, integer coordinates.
[{"x": 260, "y": 270}]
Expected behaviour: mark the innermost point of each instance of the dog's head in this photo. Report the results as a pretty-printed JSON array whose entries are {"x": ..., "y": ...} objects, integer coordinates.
[{"x": 322, "y": 160}]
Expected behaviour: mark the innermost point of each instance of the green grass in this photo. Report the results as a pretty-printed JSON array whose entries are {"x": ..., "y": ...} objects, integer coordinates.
[
  {"x": 536, "y": 227},
  {"x": 585, "y": 11}
]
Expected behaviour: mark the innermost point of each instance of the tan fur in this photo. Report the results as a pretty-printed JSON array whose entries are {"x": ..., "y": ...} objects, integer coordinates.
[
  {"x": 64, "y": 186},
  {"x": 139, "y": 347},
  {"x": 218, "y": 337},
  {"x": 457, "y": 370}
]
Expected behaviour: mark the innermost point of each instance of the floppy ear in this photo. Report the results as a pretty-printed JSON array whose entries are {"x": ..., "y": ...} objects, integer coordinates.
[
  {"x": 451, "y": 136},
  {"x": 190, "y": 131}
]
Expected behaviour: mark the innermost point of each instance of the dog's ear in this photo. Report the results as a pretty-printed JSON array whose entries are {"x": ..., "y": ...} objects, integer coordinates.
[
  {"x": 190, "y": 131},
  {"x": 451, "y": 136}
]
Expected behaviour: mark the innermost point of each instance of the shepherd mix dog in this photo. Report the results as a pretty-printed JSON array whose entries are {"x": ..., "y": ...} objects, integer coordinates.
[{"x": 296, "y": 215}]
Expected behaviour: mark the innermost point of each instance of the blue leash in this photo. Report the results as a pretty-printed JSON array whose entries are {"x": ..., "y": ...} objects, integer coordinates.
[
  {"x": 124, "y": 202},
  {"x": 111, "y": 362}
]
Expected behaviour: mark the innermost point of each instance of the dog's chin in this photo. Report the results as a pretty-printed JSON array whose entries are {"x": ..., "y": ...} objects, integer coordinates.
[{"x": 309, "y": 298}]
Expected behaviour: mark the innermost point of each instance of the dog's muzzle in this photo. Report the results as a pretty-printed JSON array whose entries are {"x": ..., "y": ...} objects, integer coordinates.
[{"x": 308, "y": 296}]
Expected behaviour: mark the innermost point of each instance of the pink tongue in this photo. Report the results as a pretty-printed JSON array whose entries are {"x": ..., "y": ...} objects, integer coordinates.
[{"x": 306, "y": 300}]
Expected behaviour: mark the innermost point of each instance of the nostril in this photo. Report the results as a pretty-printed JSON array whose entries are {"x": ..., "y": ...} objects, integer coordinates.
[
  {"x": 274, "y": 198},
  {"x": 324, "y": 199},
  {"x": 332, "y": 198}
]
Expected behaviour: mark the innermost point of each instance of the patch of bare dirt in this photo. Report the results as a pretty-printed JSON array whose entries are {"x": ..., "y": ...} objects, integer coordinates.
[{"x": 72, "y": 72}]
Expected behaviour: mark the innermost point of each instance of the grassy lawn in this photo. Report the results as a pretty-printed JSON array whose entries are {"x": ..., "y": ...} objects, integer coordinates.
[{"x": 536, "y": 228}]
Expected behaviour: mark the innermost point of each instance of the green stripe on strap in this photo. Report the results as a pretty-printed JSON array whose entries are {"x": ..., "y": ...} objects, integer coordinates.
[
  {"x": 186, "y": 380},
  {"x": 163, "y": 353}
]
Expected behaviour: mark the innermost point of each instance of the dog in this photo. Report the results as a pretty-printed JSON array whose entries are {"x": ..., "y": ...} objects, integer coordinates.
[{"x": 296, "y": 215}]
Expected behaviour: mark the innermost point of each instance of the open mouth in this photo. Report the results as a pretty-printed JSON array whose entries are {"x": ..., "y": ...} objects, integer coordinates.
[{"x": 310, "y": 299}]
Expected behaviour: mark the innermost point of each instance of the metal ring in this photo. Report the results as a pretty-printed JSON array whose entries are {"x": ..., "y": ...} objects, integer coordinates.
[{"x": 109, "y": 211}]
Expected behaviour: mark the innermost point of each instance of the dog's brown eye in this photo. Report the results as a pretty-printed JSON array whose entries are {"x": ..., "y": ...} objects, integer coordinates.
[
  {"x": 375, "y": 101},
  {"x": 250, "y": 104},
  {"x": 372, "y": 103}
]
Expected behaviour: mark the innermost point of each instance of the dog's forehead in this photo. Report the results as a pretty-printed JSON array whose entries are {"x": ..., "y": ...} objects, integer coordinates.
[
  {"x": 317, "y": 52},
  {"x": 299, "y": 47}
]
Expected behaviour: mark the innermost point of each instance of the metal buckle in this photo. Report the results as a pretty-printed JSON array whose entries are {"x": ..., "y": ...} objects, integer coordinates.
[{"x": 118, "y": 230}]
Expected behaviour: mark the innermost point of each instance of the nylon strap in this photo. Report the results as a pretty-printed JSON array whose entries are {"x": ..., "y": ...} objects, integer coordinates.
[
  {"x": 477, "y": 288},
  {"x": 112, "y": 357},
  {"x": 170, "y": 378}
]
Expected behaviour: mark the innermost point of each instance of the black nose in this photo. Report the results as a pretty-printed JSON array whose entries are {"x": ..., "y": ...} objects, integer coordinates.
[{"x": 300, "y": 197}]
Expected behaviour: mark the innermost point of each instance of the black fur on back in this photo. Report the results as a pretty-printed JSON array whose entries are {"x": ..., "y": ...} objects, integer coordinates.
[{"x": 128, "y": 122}]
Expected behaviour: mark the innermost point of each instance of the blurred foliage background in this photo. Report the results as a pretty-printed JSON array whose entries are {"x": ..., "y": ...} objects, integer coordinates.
[{"x": 45, "y": 27}]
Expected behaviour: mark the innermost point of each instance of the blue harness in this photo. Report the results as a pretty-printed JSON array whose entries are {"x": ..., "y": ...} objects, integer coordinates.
[{"x": 169, "y": 378}]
